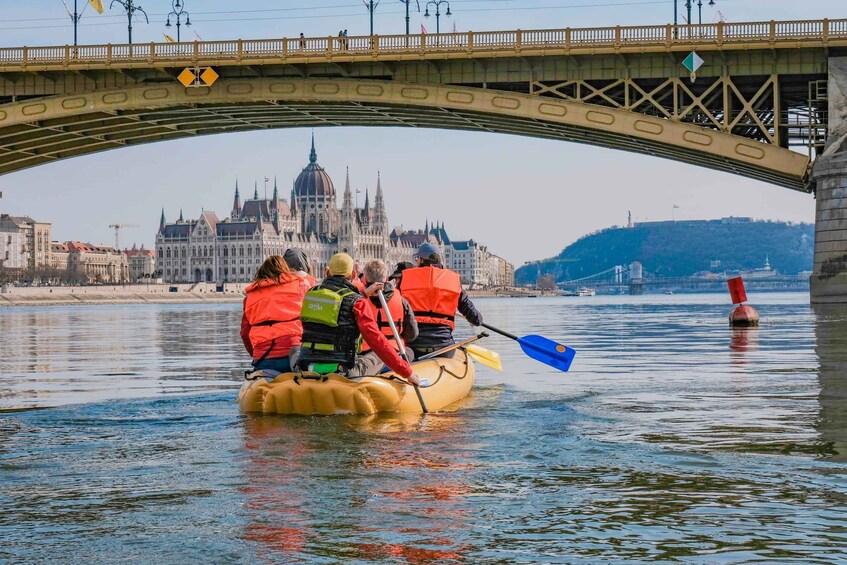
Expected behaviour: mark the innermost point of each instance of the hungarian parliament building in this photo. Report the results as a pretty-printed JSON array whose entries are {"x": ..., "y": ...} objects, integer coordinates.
[{"x": 230, "y": 250}]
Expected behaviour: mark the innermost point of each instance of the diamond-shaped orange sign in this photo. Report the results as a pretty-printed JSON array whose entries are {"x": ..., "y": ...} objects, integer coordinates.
[
  {"x": 186, "y": 77},
  {"x": 209, "y": 76}
]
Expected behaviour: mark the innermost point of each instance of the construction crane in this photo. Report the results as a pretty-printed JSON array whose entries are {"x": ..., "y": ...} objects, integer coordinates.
[{"x": 118, "y": 228}]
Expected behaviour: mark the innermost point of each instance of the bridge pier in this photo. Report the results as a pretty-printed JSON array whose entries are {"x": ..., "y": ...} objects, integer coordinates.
[{"x": 829, "y": 279}]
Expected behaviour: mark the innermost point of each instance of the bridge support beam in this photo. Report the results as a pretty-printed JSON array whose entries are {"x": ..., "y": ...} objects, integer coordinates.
[{"x": 829, "y": 279}]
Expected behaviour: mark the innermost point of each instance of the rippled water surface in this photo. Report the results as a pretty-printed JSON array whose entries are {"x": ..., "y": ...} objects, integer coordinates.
[{"x": 673, "y": 438}]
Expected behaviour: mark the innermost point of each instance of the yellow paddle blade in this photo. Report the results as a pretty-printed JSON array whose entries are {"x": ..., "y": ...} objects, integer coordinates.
[{"x": 485, "y": 356}]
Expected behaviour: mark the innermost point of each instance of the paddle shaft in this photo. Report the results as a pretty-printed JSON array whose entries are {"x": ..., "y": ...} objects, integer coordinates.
[
  {"x": 449, "y": 348},
  {"x": 401, "y": 348},
  {"x": 501, "y": 332}
]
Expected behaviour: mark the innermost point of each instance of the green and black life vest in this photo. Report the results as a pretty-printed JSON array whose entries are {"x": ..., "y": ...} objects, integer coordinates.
[{"x": 330, "y": 333}]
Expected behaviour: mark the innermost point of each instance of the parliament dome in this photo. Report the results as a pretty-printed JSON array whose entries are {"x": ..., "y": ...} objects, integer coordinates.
[{"x": 313, "y": 180}]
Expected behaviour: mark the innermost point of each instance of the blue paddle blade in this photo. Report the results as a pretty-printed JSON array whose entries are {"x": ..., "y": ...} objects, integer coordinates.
[{"x": 547, "y": 351}]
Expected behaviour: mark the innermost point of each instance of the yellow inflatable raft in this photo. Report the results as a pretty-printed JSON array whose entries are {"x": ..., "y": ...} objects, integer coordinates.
[{"x": 449, "y": 380}]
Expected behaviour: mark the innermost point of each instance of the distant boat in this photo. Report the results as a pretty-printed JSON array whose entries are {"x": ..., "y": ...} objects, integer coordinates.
[
  {"x": 668, "y": 291},
  {"x": 585, "y": 291}
]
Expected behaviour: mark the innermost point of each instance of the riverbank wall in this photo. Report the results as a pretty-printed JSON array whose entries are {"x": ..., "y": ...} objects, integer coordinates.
[
  {"x": 160, "y": 294},
  {"x": 119, "y": 294}
]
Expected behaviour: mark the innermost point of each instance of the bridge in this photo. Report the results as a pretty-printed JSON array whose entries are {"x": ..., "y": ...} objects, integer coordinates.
[
  {"x": 759, "y": 107},
  {"x": 618, "y": 280}
]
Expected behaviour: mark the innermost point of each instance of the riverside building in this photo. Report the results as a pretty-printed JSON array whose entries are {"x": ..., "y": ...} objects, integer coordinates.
[{"x": 230, "y": 249}]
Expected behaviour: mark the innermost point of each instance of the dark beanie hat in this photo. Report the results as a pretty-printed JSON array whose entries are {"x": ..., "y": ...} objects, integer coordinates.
[{"x": 296, "y": 259}]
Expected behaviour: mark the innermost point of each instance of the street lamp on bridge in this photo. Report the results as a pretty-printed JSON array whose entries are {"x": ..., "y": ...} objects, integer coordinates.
[
  {"x": 130, "y": 7},
  {"x": 178, "y": 12},
  {"x": 688, "y": 5},
  {"x": 437, "y": 4},
  {"x": 371, "y": 7}
]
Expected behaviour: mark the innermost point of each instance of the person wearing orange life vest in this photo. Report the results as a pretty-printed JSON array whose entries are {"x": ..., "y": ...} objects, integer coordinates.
[
  {"x": 298, "y": 263},
  {"x": 376, "y": 272},
  {"x": 270, "y": 326},
  {"x": 435, "y": 293}
]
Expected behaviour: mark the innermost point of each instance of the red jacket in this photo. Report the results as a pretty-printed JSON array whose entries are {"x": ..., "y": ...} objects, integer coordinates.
[{"x": 365, "y": 320}]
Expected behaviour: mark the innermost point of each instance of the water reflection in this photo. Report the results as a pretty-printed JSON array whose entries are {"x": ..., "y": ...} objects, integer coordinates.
[
  {"x": 831, "y": 333},
  {"x": 743, "y": 340},
  {"x": 51, "y": 356},
  {"x": 399, "y": 490}
]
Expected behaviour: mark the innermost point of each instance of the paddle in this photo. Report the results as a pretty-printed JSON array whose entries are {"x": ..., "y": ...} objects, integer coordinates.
[
  {"x": 485, "y": 356},
  {"x": 542, "y": 349},
  {"x": 449, "y": 348},
  {"x": 400, "y": 347}
]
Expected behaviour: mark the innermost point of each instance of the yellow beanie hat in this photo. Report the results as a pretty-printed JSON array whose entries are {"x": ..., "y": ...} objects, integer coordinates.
[{"x": 340, "y": 264}]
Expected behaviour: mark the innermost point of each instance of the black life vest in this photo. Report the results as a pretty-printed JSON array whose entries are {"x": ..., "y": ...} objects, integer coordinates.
[{"x": 330, "y": 341}]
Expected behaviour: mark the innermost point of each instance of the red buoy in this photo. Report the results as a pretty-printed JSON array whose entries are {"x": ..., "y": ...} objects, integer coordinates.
[{"x": 744, "y": 316}]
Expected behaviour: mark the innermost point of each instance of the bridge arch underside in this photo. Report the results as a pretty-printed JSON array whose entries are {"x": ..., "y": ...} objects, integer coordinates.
[{"x": 44, "y": 130}]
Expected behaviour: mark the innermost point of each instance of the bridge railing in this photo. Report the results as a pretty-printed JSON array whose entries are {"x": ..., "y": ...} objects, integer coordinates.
[{"x": 815, "y": 32}]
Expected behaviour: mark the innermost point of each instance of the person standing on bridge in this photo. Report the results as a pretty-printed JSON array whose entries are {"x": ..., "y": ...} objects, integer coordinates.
[{"x": 435, "y": 293}]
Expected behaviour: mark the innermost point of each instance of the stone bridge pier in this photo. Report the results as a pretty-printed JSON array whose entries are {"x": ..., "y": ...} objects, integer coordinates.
[{"x": 829, "y": 279}]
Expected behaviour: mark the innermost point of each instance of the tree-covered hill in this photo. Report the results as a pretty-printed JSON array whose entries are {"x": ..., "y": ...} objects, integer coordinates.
[{"x": 678, "y": 249}]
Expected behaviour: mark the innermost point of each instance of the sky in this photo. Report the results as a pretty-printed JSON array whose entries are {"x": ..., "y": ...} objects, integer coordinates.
[{"x": 524, "y": 198}]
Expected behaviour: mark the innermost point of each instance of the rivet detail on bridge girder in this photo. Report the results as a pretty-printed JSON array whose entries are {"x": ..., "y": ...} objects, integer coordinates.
[
  {"x": 750, "y": 151},
  {"x": 552, "y": 110},
  {"x": 73, "y": 103},
  {"x": 239, "y": 88},
  {"x": 507, "y": 103},
  {"x": 283, "y": 88},
  {"x": 600, "y": 118},
  {"x": 697, "y": 138},
  {"x": 114, "y": 98},
  {"x": 369, "y": 90},
  {"x": 460, "y": 97},
  {"x": 325, "y": 88},
  {"x": 155, "y": 93},
  {"x": 416, "y": 93},
  {"x": 33, "y": 109},
  {"x": 648, "y": 127}
]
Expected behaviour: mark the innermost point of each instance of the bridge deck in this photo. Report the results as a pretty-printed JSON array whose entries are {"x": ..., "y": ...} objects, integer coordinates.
[{"x": 567, "y": 41}]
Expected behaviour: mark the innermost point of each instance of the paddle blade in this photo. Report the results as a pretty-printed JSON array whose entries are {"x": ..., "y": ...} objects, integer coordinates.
[
  {"x": 547, "y": 351},
  {"x": 485, "y": 357}
]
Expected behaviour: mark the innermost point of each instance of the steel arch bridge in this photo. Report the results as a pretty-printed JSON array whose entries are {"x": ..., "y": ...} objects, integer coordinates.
[{"x": 760, "y": 94}]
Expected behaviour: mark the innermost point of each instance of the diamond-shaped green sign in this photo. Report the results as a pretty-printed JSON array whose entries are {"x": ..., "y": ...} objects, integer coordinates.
[{"x": 693, "y": 62}]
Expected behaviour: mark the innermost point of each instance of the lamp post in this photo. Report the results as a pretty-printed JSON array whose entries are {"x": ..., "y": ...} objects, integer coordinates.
[
  {"x": 688, "y": 5},
  {"x": 131, "y": 8},
  {"x": 371, "y": 7},
  {"x": 178, "y": 12},
  {"x": 437, "y": 4}
]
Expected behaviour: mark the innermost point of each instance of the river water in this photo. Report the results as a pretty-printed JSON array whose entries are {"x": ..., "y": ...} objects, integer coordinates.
[{"x": 672, "y": 438}]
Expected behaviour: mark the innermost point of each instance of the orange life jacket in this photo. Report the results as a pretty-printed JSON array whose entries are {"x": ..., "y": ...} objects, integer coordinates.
[
  {"x": 395, "y": 308},
  {"x": 433, "y": 294},
  {"x": 273, "y": 308},
  {"x": 359, "y": 283}
]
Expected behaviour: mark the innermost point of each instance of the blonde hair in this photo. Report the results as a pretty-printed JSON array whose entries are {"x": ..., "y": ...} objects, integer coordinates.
[{"x": 274, "y": 268}]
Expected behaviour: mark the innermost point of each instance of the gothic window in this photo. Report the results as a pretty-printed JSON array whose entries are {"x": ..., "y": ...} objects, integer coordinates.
[
  {"x": 168, "y": 252},
  {"x": 241, "y": 251},
  {"x": 226, "y": 252},
  {"x": 249, "y": 251}
]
